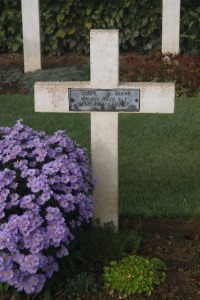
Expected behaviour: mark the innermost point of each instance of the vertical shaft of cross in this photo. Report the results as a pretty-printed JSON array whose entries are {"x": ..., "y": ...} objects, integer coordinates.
[
  {"x": 171, "y": 26},
  {"x": 31, "y": 35},
  {"x": 104, "y": 57}
]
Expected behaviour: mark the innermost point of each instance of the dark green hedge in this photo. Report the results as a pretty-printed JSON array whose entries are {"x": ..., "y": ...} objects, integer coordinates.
[
  {"x": 190, "y": 26},
  {"x": 65, "y": 24}
]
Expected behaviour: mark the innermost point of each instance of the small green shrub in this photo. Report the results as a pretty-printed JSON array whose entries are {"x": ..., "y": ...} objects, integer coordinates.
[
  {"x": 134, "y": 274},
  {"x": 25, "y": 82},
  {"x": 60, "y": 74},
  {"x": 82, "y": 284},
  {"x": 10, "y": 77}
]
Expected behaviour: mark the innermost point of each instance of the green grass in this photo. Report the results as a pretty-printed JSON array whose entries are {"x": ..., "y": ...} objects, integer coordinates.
[
  {"x": 159, "y": 155},
  {"x": 14, "y": 107},
  {"x": 160, "y": 162}
]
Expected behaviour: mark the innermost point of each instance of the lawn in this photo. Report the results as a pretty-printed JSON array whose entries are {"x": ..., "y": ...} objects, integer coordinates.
[
  {"x": 159, "y": 155},
  {"x": 160, "y": 162}
]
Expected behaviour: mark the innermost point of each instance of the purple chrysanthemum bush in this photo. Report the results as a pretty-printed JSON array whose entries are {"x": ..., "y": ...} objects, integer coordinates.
[{"x": 45, "y": 191}]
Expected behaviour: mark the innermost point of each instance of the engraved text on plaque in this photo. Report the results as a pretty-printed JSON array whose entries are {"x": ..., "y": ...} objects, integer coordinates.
[{"x": 104, "y": 100}]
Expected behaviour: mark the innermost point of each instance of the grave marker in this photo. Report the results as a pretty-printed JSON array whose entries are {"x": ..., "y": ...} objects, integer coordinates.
[
  {"x": 31, "y": 35},
  {"x": 104, "y": 87},
  {"x": 171, "y": 26}
]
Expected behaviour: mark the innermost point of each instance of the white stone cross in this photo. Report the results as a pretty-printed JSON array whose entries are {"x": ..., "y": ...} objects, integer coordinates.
[
  {"x": 171, "y": 26},
  {"x": 154, "y": 98},
  {"x": 31, "y": 35}
]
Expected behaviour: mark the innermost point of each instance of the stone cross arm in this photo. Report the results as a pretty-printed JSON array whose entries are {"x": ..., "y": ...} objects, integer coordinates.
[{"x": 155, "y": 97}]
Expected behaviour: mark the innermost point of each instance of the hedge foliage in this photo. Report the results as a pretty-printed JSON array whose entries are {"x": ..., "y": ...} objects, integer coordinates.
[
  {"x": 184, "y": 70},
  {"x": 65, "y": 24}
]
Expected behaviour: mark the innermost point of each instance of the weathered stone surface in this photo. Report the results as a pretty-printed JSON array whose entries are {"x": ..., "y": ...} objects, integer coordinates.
[
  {"x": 104, "y": 58},
  {"x": 104, "y": 146},
  {"x": 154, "y": 97},
  {"x": 31, "y": 35}
]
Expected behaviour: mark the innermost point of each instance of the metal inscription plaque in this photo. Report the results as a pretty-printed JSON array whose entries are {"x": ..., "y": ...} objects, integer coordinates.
[{"x": 104, "y": 100}]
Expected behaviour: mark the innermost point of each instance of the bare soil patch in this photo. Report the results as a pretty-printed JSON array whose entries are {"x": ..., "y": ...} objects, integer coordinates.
[
  {"x": 12, "y": 61},
  {"x": 177, "y": 243}
]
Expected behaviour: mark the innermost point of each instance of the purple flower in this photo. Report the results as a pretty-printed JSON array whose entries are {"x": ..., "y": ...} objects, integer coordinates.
[
  {"x": 62, "y": 252},
  {"x": 45, "y": 191},
  {"x": 26, "y": 201},
  {"x": 43, "y": 198}
]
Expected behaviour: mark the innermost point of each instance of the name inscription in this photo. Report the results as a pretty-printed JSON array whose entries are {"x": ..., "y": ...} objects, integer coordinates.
[{"x": 104, "y": 100}]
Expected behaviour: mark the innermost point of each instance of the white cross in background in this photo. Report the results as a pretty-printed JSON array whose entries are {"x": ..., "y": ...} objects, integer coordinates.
[
  {"x": 171, "y": 26},
  {"x": 31, "y": 35}
]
